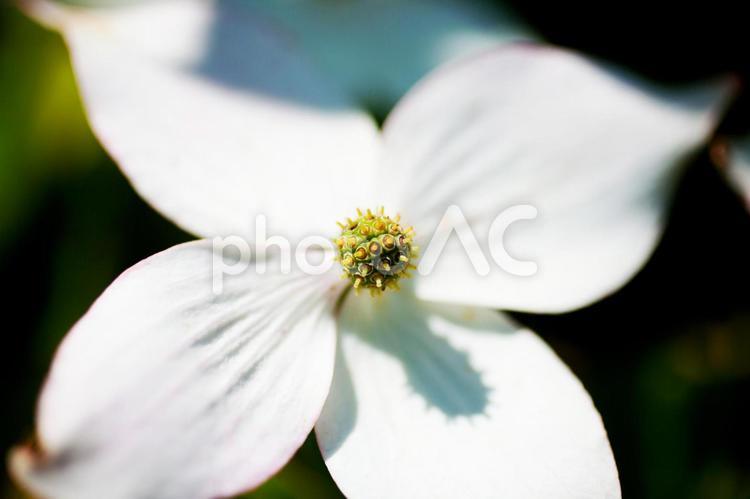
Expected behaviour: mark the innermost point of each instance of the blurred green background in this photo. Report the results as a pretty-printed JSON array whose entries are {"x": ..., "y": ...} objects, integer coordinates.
[{"x": 667, "y": 359}]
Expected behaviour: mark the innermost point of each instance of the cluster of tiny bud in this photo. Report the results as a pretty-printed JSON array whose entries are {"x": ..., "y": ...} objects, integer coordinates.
[{"x": 375, "y": 251}]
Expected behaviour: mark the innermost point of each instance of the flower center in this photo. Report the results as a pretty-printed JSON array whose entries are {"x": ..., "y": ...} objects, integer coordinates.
[{"x": 375, "y": 251}]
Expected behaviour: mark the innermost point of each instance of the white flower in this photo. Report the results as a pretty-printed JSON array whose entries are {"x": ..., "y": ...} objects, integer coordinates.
[{"x": 164, "y": 389}]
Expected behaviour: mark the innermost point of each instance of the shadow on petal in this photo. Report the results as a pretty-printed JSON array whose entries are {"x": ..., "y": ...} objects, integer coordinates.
[
  {"x": 439, "y": 372},
  {"x": 248, "y": 53},
  {"x": 345, "y": 401},
  {"x": 326, "y": 55}
]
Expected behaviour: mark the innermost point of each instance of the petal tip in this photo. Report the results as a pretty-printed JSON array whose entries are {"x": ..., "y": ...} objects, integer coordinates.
[
  {"x": 21, "y": 462},
  {"x": 46, "y": 13}
]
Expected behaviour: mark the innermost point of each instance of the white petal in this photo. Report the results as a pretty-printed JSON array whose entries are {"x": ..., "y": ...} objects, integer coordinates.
[
  {"x": 379, "y": 49},
  {"x": 738, "y": 168},
  {"x": 215, "y": 117},
  {"x": 164, "y": 389},
  {"x": 447, "y": 401},
  {"x": 595, "y": 151}
]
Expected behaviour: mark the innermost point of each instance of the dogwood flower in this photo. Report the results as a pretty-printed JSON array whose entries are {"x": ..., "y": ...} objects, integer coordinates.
[{"x": 166, "y": 389}]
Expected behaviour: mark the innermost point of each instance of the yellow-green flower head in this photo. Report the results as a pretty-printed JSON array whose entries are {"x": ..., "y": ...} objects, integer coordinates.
[{"x": 375, "y": 250}]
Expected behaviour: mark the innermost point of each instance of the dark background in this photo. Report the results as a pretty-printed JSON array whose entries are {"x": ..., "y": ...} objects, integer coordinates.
[{"x": 666, "y": 359}]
